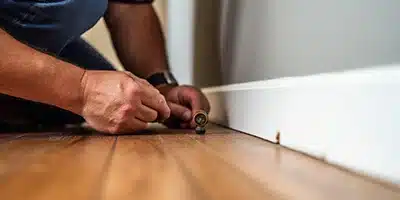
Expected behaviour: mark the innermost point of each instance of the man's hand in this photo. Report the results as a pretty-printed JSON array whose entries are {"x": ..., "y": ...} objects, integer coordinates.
[
  {"x": 117, "y": 102},
  {"x": 139, "y": 41},
  {"x": 183, "y": 101}
]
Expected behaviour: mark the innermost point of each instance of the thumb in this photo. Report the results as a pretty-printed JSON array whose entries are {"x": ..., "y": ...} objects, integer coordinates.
[{"x": 180, "y": 112}]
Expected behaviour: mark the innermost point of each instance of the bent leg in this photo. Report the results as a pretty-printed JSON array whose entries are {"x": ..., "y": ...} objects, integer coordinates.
[{"x": 20, "y": 111}]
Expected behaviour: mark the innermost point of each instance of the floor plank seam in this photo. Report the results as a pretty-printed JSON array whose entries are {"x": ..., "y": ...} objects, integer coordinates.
[
  {"x": 103, "y": 175},
  {"x": 188, "y": 175},
  {"x": 198, "y": 189},
  {"x": 238, "y": 169}
]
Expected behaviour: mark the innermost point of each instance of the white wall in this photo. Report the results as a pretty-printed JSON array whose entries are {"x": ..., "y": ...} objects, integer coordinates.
[
  {"x": 279, "y": 38},
  {"x": 322, "y": 73},
  {"x": 180, "y": 38}
]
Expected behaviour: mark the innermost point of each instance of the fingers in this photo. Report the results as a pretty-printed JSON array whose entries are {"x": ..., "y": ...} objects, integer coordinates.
[
  {"x": 186, "y": 125},
  {"x": 172, "y": 122},
  {"x": 146, "y": 114},
  {"x": 158, "y": 103},
  {"x": 127, "y": 119},
  {"x": 180, "y": 112},
  {"x": 194, "y": 98},
  {"x": 181, "y": 116},
  {"x": 116, "y": 102},
  {"x": 151, "y": 97},
  {"x": 154, "y": 100},
  {"x": 188, "y": 99},
  {"x": 127, "y": 126},
  {"x": 191, "y": 98}
]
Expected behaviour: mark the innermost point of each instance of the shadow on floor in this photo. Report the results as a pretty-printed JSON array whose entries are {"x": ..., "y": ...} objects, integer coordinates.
[{"x": 82, "y": 131}]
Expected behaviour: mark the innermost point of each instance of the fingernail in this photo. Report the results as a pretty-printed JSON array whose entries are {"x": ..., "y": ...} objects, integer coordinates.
[{"x": 187, "y": 115}]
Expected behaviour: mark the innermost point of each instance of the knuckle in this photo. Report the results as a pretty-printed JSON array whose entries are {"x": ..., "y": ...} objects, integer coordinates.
[
  {"x": 129, "y": 75},
  {"x": 121, "y": 115},
  {"x": 133, "y": 87},
  {"x": 114, "y": 129},
  {"x": 126, "y": 109},
  {"x": 144, "y": 81},
  {"x": 164, "y": 105},
  {"x": 161, "y": 100},
  {"x": 193, "y": 93}
]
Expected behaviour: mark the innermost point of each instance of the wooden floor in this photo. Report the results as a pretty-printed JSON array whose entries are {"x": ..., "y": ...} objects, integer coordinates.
[{"x": 169, "y": 164}]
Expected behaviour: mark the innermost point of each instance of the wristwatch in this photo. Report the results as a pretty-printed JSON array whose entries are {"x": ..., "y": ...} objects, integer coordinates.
[{"x": 162, "y": 78}]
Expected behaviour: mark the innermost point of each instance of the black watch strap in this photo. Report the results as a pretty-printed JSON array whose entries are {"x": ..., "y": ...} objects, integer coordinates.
[
  {"x": 133, "y": 1},
  {"x": 162, "y": 78}
]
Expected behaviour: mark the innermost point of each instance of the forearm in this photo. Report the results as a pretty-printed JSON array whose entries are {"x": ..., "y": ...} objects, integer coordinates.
[
  {"x": 137, "y": 37},
  {"x": 33, "y": 75}
]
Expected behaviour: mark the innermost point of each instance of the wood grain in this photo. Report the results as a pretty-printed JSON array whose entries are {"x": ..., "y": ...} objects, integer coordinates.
[
  {"x": 54, "y": 167},
  {"x": 170, "y": 164}
]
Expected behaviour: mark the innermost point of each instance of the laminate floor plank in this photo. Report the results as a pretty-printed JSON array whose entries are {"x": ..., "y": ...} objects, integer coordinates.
[
  {"x": 18, "y": 152},
  {"x": 54, "y": 167},
  {"x": 171, "y": 164},
  {"x": 209, "y": 174},
  {"x": 141, "y": 170},
  {"x": 292, "y": 174}
]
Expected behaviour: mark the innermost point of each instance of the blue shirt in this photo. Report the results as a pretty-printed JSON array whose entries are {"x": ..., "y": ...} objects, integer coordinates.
[{"x": 49, "y": 25}]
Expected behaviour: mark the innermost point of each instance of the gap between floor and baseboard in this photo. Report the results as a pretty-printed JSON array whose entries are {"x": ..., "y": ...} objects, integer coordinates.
[{"x": 380, "y": 181}]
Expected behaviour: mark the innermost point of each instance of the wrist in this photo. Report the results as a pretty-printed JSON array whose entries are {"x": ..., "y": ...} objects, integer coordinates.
[{"x": 69, "y": 89}]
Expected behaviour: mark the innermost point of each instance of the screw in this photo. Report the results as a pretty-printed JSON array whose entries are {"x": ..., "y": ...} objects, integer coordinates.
[
  {"x": 278, "y": 137},
  {"x": 201, "y": 120}
]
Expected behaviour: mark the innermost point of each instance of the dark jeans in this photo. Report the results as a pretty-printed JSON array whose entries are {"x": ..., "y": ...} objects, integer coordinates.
[{"x": 19, "y": 111}]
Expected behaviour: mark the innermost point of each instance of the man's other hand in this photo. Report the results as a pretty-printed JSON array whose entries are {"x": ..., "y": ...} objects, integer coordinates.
[
  {"x": 183, "y": 101},
  {"x": 119, "y": 102}
]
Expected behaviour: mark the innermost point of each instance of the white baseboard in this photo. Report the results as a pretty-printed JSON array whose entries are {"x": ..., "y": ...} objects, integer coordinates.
[{"x": 351, "y": 119}]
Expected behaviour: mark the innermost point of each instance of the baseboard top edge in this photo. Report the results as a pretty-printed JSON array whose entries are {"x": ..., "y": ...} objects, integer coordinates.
[{"x": 389, "y": 74}]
